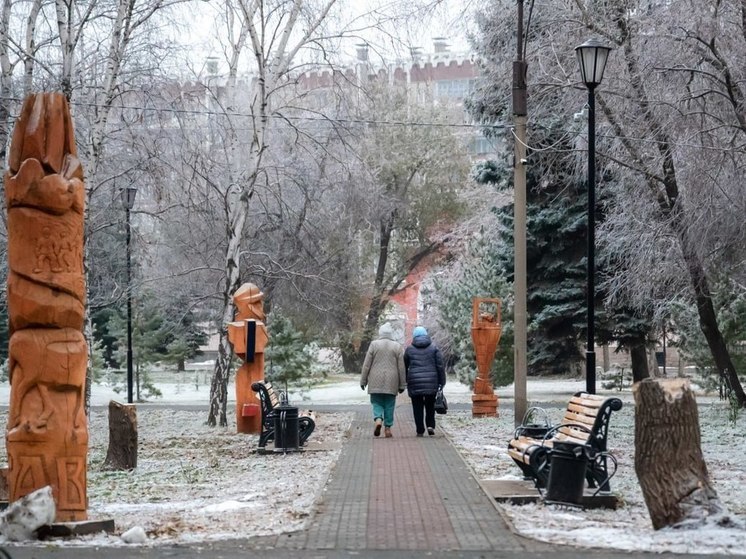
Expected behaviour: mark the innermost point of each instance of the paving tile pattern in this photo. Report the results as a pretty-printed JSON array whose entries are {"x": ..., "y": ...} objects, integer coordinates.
[{"x": 405, "y": 493}]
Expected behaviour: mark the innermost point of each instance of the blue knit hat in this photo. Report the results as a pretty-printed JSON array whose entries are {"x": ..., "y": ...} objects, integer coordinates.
[{"x": 419, "y": 331}]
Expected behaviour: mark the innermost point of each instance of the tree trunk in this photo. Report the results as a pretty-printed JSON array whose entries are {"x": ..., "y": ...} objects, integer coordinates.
[
  {"x": 218, "y": 414},
  {"x": 671, "y": 207},
  {"x": 639, "y": 357},
  {"x": 653, "y": 368},
  {"x": 351, "y": 360},
  {"x": 122, "y": 453},
  {"x": 606, "y": 357},
  {"x": 668, "y": 457}
]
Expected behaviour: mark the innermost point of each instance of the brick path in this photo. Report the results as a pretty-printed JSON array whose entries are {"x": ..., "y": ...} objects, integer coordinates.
[
  {"x": 399, "y": 498},
  {"x": 405, "y": 493}
]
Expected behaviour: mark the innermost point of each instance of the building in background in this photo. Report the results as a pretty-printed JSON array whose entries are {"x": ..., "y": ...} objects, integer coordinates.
[{"x": 440, "y": 76}]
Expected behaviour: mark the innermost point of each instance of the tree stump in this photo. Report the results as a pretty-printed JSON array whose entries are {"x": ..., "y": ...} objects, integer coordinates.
[
  {"x": 668, "y": 457},
  {"x": 122, "y": 452}
]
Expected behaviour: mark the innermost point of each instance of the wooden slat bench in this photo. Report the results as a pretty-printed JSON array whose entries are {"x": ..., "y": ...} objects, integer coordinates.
[
  {"x": 585, "y": 422},
  {"x": 270, "y": 400}
]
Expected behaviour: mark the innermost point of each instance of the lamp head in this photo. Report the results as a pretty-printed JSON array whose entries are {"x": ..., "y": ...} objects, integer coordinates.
[
  {"x": 592, "y": 57},
  {"x": 128, "y": 194}
]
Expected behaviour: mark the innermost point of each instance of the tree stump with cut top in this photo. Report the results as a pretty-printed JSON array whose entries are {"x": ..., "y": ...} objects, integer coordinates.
[
  {"x": 122, "y": 452},
  {"x": 668, "y": 457}
]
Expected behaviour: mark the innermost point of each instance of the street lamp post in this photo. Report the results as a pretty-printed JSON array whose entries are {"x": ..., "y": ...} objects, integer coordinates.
[
  {"x": 128, "y": 199},
  {"x": 592, "y": 56},
  {"x": 520, "y": 118}
]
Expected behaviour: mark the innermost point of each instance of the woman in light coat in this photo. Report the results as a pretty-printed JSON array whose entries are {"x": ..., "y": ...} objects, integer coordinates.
[{"x": 384, "y": 375}]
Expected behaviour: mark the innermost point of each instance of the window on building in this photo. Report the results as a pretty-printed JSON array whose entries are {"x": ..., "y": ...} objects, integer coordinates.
[
  {"x": 481, "y": 145},
  {"x": 453, "y": 89}
]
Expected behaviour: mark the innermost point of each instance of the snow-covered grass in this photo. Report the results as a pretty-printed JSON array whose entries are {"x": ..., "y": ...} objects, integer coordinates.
[
  {"x": 197, "y": 483},
  {"x": 194, "y": 483},
  {"x": 483, "y": 443}
]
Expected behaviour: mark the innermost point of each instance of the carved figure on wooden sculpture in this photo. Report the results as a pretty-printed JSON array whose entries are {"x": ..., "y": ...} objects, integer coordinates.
[
  {"x": 486, "y": 327},
  {"x": 249, "y": 338},
  {"x": 47, "y": 431}
]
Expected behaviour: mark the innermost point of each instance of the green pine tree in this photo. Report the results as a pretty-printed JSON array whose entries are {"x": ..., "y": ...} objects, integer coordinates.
[
  {"x": 481, "y": 275},
  {"x": 287, "y": 362},
  {"x": 556, "y": 262}
]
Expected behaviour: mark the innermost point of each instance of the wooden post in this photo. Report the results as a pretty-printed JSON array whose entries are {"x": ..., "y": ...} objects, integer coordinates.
[
  {"x": 47, "y": 432},
  {"x": 668, "y": 456}
]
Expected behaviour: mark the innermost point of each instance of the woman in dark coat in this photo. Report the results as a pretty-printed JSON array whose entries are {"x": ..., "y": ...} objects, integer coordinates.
[{"x": 425, "y": 374}]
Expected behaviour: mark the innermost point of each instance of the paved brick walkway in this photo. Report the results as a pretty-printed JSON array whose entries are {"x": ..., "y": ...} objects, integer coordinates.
[
  {"x": 405, "y": 493},
  {"x": 399, "y": 498}
]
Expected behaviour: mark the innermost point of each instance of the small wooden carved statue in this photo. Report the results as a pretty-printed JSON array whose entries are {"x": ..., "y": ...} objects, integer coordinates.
[
  {"x": 47, "y": 431},
  {"x": 486, "y": 328},
  {"x": 249, "y": 337}
]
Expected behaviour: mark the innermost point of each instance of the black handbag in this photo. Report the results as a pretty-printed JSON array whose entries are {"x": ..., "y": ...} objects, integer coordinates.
[
  {"x": 535, "y": 424},
  {"x": 441, "y": 404}
]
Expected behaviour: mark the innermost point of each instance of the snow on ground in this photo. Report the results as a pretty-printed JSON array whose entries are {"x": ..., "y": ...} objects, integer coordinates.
[
  {"x": 483, "y": 443},
  {"x": 195, "y": 483}
]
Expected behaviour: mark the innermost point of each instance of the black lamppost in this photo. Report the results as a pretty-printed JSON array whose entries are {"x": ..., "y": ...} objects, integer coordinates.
[
  {"x": 128, "y": 199},
  {"x": 592, "y": 56}
]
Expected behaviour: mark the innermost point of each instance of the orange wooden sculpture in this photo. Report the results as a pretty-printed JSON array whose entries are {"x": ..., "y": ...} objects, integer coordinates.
[
  {"x": 249, "y": 337},
  {"x": 47, "y": 431},
  {"x": 486, "y": 328}
]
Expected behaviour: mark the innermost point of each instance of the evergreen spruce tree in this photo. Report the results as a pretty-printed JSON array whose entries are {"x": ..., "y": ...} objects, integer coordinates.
[
  {"x": 555, "y": 253},
  {"x": 287, "y": 363},
  {"x": 481, "y": 274},
  {"x": 556, "y": 260}
]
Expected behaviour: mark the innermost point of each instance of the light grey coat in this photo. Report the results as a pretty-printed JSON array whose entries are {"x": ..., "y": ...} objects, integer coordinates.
[{"x": 383, "y": 369}]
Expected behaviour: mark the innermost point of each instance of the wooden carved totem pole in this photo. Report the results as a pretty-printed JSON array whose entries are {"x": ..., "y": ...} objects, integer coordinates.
[
  {"x": 47, "y": 431},
  {"x": 248, "y": 335},
  {"x": 486, "y": 328}
]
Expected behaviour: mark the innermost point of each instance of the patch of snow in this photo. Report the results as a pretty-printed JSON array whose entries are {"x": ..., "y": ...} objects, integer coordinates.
[
  {"x": 196, "y": 483},
  {"x": 135, "y": 535},
  {"x": 24, "y": 516},
  {"x": 483, "y": 443},
  {"x": 230, "y": 505}
]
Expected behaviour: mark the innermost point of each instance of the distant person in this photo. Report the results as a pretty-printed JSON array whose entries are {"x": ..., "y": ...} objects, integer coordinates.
[
  {"x": 425, "y": 374},
  {"x": 383, "y": 374}
]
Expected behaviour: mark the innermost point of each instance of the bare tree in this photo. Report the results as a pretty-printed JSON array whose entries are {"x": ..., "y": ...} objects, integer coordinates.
[
  {"x": 278, "y": 38},
  {"x": 668, "y": 124}
]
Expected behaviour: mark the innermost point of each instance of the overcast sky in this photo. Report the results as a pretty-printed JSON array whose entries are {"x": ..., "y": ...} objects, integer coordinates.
[{"x": 450, "y": 19}]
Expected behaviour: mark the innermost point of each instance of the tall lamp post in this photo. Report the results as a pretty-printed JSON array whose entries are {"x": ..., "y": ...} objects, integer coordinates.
[
  {"x": 520, "y": 118},
  {"x": 128, "y": 199},
  {"x": 592, "y": 56}
]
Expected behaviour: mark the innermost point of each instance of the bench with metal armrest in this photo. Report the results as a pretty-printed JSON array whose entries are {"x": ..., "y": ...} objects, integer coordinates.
[
  {"x": 585, "y": 422},
  {"x": 270, "y": 401}
]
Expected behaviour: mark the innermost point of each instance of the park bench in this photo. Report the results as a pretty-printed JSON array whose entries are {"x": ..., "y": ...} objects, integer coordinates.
[
  {"x": 585, "y": 422},
  {"x": 270, "y": 401}
]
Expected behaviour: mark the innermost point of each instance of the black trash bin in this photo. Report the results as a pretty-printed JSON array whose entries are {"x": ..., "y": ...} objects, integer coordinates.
[
  {"x": 286, "y": 429},
  {"x": 568, "y": 462}
]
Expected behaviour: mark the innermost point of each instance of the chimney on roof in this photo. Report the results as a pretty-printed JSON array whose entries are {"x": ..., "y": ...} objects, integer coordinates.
[
  {"x": 362, "y": 52},
  {"x": 440, "y": 45}
]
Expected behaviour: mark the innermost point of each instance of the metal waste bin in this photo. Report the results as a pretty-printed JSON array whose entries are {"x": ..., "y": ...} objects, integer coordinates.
[
  {"x": 567, "y": 467},
  {"x": 286, "y": 429}
]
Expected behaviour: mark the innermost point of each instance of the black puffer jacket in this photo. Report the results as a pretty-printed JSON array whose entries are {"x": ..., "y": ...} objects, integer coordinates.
[{"x": 425, "y": 369}]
